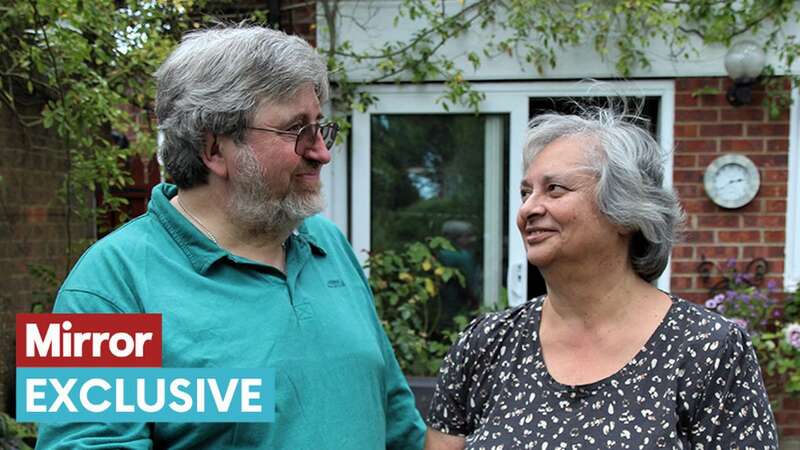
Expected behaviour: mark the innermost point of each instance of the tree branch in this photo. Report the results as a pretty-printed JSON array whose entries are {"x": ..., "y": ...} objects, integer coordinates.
[{"x": 67, "y": 146}]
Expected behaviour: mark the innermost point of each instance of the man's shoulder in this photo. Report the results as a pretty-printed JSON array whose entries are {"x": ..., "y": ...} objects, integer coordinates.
[
  {"x": 123, "y": 239},
  {"x": 122, "y": 247},
  {"x": 323, "y": 232},
  {"x": 101, "y": 279},
  {"x": 319, "y": 224}
]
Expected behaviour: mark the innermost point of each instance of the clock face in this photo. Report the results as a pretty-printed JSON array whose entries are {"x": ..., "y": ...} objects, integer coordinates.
[{"x": 732, "y": 181}]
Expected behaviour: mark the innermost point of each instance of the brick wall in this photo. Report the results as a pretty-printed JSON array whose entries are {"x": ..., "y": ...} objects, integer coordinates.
[
  {"x": 32, "y": 225},
  {"x": 788, "y": 417},
  {"x": 706, "y": 127}
]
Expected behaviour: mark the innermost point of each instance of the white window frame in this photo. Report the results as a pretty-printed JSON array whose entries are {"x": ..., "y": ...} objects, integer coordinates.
[
  {"x": 334, "y": 182},
  {"x": 791, "y": 266},
  {"x": 510, "y": 98},
  {"x": 410, "y": 99}
]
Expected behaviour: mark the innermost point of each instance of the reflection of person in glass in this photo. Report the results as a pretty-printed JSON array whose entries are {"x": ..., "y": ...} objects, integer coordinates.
[
  {"x": 457, "y": 299},
  {"x": 604, "y": 359}
]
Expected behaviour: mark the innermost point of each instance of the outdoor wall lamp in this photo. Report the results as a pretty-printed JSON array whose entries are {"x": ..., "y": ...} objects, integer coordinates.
[{"x": 744, "y": 63}]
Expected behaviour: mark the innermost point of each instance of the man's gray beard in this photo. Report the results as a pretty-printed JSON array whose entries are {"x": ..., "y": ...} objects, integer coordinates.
[{"x": 254, "y": 208}]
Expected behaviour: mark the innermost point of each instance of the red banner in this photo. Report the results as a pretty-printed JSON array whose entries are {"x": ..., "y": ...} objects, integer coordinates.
[{"x": 88, "y": 340}]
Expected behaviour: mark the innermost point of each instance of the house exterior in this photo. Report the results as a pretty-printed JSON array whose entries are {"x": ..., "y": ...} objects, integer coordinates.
[
  {"x": 693, "y": 129},
  {"x": 384, "y": 186},
  {"x": 367, "y": 184}
]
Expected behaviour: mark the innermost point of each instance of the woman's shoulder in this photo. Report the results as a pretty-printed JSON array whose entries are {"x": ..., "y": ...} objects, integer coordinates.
[
  {"x": 719, "y": 367},
  {"x": 499, "y": 326},
  {"x": 697, "y": 325}
]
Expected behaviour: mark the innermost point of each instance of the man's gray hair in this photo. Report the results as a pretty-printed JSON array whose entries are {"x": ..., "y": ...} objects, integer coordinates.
[
  {"x": 216, "y": 80},
  {"x": 629, "y": 165}
]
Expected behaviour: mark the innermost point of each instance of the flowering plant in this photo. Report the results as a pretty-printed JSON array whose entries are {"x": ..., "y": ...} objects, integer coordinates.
[
  {"x": 773, "y": 326},
  {"x": 405, "y": 286}
]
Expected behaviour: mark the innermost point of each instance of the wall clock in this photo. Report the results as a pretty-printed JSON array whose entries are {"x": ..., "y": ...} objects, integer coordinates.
[{"x": 731, "y": 181}]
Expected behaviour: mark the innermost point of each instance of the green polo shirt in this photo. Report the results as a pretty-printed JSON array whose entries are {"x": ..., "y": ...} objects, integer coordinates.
[{"x": 338, "y": 383}]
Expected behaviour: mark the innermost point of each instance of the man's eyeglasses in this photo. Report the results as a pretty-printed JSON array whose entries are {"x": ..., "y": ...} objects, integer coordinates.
[{"x": 307, "y": 135}]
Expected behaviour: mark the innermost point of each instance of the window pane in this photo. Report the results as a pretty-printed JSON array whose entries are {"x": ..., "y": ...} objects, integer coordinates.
[{"x": 429, "y": 178}]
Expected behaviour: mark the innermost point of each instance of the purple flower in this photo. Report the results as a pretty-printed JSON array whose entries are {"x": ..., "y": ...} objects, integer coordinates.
[
  {"x": 792, "y": 332},
  {"x": 731, "y": 263},
  {"x": 771, "y": 285},
  {"x": 776, "y": 313},
  {"x": 715, "y": 301},
  {"x": 741, "y": 322}
]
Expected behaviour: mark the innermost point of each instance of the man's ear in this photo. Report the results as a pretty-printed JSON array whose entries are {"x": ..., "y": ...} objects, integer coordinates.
[{"x": 213, "y": 157}]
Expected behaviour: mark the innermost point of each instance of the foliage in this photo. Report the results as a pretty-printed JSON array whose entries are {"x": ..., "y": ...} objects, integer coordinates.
[
  {"x": 406, "y": 285},
  {"x": 46, "y": 286},
  {"x": 773, "y": 327},
  {"x": 706, "y": 90},
  {"x": 16, "y": 436},
  {"x": 83, "y": 68},
  {"x": 537, "y": 30},
  {"x": 446, "y": 158},
  {"x": 89, "y": 63}
]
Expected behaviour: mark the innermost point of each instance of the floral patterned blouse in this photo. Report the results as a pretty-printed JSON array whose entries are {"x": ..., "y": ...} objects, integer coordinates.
[{"x": 695, "y": 384}]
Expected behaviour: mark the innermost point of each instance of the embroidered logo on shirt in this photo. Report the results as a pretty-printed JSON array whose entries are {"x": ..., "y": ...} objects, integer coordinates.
[{"x": 335, "y": 283}]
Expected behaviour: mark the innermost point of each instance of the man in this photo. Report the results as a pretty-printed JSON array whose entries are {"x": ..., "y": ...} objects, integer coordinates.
[{"x": 243, "y": 272}]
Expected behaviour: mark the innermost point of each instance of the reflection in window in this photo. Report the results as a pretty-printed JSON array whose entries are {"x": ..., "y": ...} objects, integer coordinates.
[{"x": 442, "y": 175}]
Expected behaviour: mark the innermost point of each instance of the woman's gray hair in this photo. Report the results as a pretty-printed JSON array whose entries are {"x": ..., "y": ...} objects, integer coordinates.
[
  {"x": 216, "y": 80},
  {"x": 629, "y": 165}
]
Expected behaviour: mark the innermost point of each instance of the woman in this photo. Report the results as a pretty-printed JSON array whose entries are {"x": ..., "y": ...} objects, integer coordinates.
[{"x": 604, "y": 360}]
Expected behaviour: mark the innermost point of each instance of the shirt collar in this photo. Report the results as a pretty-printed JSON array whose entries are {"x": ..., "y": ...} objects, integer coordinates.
[
  {"x": 304, "y": 234},
  {"x": 201, "y": 251}
]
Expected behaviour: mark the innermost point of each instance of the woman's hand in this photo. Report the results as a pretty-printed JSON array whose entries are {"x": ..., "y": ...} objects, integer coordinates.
[{"x": 436, "y": 440}]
